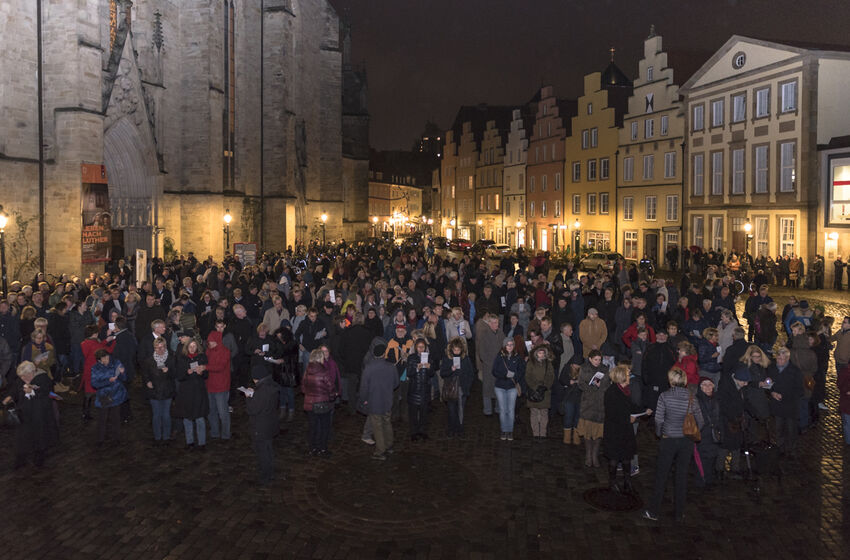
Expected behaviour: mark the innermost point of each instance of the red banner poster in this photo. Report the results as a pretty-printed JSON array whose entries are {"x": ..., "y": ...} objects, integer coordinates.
[{"x": 97, "y": 221}]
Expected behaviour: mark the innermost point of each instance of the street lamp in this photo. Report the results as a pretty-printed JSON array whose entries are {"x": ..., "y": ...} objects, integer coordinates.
[
  {"x": 227, "y": 219},
  {"x": 324, "y": 222},
  {"x": 577, "y": 236},
  {"x": 4, "y": 219},
  {"x": 563, "y": 228},
  {"x": 374, "y": 226},
  {"x": 748, "y": 228}
]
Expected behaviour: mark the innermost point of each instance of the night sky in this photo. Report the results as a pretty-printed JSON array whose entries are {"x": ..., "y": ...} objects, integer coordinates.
[{"x": 426, "y": 58}]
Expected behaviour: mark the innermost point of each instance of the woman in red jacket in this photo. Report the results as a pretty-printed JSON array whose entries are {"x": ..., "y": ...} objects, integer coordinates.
[
  {"x": 688, "y": 363},
  {"x": 319, "y": 395},
  {"x": 89, "y": 348},
  {"x": 218, "y": 383}
]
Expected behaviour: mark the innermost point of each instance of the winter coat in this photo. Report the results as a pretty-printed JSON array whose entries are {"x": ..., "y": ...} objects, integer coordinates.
[
  {"x": 637, "y": 351},
  {"x": 419, "y": 380},
  {"x": 505, "y": 363},
  {"x": 842, "y": 346},
  {"x": 287, "y": 373},
  {"x": 593, "y": 396},
  {"x": 731, "y": 401},
  {"x": 593, "y": 334},
  {"x": 618, "y": 439},
  {"x": 192, "y": 400},
  {"x": 89, "y": 347},
  {"x": 109, "y": 393},
  {"x": 317, "y": 385},
  {"x": 38, "y": 429},
  {"x": 218, "y": 364},
  {"x": 353, "y": 345},
  {"x": 631, "y": 334},
  {"x": 707, "y": 362},
  {"x": 465, "y": 374},
  {"x": 802, "y": 355},
  {"x": 710, "y": 407},
  {"x": 688, "y": 364},
  {"x": 539, "y": 373},
  {"x": 125, "y": 352},
  {"x": 844, "y": 390},
  {"x": 765, "y": 327},
  {"x": 657, "y": 361},
  {"x": 262, "y": 408},
  {"x": 58, "y": 328},
  {"x": 488, "y": 343},
  {"x": 789, "y": 384},
  {"x": 162, "y": 381},
  {"x": 379, "y": 380},
  {"x": 31, "y": 350},
  {"x": 732, "y": 355}
]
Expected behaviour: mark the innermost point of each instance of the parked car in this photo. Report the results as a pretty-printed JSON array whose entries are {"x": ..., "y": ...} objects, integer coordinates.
[
  {"x": 597, "y": 260},
  {"x": 440, "y": 242},
  {"x": 498, "y": 250},
  {"x": 481, "y": 245},
  {"x": 460, "y": 244}
]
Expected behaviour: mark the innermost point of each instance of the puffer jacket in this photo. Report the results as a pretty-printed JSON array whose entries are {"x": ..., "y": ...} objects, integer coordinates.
[
  {"x": 592, "y": 397},
  {"x": 688, "y": 364},
  {"x": 705, "y": 349},
  {"x": 109, "y": 393},
  {"x": 317, "y": 385},
  {"x": 218, "y": 364},
  {"x": 419, "y": 380}
]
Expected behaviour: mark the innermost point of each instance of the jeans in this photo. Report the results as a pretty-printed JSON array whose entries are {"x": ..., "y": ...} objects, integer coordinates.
[
  {"x": 320, "y": 430},
  {"x": 488, "y": 406},
  {"x": 201, "y": 425},
  {"x": 678, "y": 452},
  {"x": 161, "y": 409},
  {"x": 507, "y": 408},
  {"x": 287, "y": 398},
  {"x": 571, "y": 412},
  {"x": 845, "y": 421},
  {"x": 76, "y": 359},
  {"x": 219, "y": 416}
]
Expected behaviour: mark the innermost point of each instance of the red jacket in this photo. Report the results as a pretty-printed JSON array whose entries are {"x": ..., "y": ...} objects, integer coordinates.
[
  {"x": 218, "y": 365},
  {"x": 631, "y": 335},
  {"x": 844, "y": 390},
  {"x": 89, "y": 348},
  {"x": 691, "y": 368}
]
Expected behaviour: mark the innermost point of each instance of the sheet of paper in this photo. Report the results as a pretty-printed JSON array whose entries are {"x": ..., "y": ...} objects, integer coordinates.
[
  {"x": 456, "y": 361},
  {"x": 423, "y": 358}
]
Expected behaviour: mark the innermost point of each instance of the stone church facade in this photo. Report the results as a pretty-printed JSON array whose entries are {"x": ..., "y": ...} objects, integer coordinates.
[{"x": 194, "y": 107}]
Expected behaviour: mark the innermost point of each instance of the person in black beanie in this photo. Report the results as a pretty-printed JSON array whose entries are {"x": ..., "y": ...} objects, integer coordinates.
[{"x": 262, "y": 407}]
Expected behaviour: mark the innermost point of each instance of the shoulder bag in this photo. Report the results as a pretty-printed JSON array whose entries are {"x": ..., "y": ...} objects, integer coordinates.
[{"x": 690, "y": 429}]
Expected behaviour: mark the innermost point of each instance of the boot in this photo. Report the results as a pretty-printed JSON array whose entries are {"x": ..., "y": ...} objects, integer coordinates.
[
  {"x": 568, "y": 436},
  {"x": 612, "y": 477},
  {"x": 290, "y": 415},
  {"x": 87, "y": 407},
  {"x": 576, "y": 437},
  {"x": 588, "y": 456},
  {"x": 596, "y": 444}
]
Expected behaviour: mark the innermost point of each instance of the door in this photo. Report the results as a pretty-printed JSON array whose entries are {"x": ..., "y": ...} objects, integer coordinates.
[
  {"x": 117, "y": 251},
  {"x": 650, "y": 246}
]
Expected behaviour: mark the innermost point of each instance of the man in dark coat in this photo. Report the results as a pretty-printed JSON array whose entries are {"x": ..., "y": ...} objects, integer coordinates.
[
  {"x": 732, "y": 356},
  {"x": 380, "y": 379},
  {"x": 148, "y": 313},
  {"x": 786, "y": 393},
  {"x": 262, "y": 408},
  {"x": 353, "y": 345},
  {"x": 657, "y": 361},
  {"x": 125, "y": 352}
]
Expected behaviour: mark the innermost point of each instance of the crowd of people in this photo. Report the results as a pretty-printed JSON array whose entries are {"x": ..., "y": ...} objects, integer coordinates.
[{"x": 396, "y": 334}]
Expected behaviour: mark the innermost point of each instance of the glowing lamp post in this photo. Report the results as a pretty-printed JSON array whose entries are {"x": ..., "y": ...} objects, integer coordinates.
[
  {"x": 577, "y": 236},
  {"x": 324, "y": 218},
  {"x": 227, "y": 219},
  {"x": 4, "y": 219}
]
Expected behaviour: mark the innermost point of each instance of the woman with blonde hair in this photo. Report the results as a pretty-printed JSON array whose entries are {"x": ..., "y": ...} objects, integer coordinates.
[
  {"x": 318, "y": 389},
  {"x": 674, "y": 447},
  {"x": 37, "y": 430},
  {"x": 619, "y": 443}
]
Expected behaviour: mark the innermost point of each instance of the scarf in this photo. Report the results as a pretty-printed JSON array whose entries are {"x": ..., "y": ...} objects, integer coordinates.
[
  {"x": 160, "y": 359},
  {"x": 627, "y": 390}
]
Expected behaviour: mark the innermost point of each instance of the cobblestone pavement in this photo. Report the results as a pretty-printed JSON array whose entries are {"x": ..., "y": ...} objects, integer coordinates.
[{"x": 475, "y": 497}]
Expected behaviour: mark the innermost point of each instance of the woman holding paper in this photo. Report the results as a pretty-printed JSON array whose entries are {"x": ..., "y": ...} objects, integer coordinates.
[
  {"x": 107, "y": 377},
  {"x": 593, "y": 381},
  {"x": 420, "y": 370},
  {"x": 457, "y": 374},
  {"x": 618, "y": 441},
  {"x": 193, "y": 404},
  {"x": 37, "y": 430},
  {"x": 509, "y": 372}
]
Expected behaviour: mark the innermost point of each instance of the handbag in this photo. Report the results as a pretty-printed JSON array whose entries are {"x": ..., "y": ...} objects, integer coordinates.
[
  {"x": 322, "y": 407},
  {"x": 690, "y": 429},
  {"x": 450, "y": 388}
]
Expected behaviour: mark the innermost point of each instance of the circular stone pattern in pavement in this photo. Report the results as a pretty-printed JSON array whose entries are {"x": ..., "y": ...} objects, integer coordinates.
[{"x": 407, "y": 486}]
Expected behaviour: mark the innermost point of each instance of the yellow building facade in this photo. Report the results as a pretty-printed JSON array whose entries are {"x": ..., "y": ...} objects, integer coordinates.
[
  {"x": 649, "y": 163},
  {"x": 590, "y": 217}
]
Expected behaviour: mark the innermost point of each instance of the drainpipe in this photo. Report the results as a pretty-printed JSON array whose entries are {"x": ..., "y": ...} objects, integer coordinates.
[
  {"x": 40, "y": 139},
  {"x": 682, "y": 202},
  {"x": 262, "y": 129}
]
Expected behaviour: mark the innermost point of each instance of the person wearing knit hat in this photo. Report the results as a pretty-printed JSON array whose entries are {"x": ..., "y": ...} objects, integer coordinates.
[
  {"x": 742, "y": 374},
  {"x": 262, "y": 408}
]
